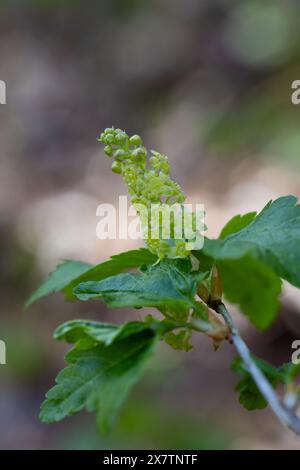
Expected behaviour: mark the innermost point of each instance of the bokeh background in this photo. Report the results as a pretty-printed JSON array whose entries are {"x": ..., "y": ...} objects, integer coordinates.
[{"x": 209, "y": 84}]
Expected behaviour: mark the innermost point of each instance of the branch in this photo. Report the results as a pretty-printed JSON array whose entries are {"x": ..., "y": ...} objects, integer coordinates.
[{"x": 285, "y": 415}]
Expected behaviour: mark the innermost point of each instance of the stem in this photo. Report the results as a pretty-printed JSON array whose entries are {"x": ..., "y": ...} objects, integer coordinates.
[{"x": 285, "y": 415}]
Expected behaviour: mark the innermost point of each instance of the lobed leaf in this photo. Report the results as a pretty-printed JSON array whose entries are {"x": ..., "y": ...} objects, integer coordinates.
[
  {"x": 253, "y": 253},
  {"x": 75, "y": 331},
  {"x": 161, "y": 286},
  {"x": 273, "y": 238},
  {"x": 236, "y": 224},
  {"x": 70, "y": 273},
  {"x": 249, "y": 394},
  {"x": 59, "y": 279},
  {"x": 98, "y": 378}
]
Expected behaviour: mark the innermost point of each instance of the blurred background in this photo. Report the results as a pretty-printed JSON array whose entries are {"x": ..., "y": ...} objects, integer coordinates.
[{"x": 209, "y": 84}]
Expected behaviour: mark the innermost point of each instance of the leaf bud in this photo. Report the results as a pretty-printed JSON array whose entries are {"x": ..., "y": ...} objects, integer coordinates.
[{"x": 216, "y": 289}]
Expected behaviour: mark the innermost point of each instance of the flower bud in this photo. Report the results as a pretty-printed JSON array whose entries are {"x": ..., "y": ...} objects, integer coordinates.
[
  {"x": 120, "y": 137},
  {"x": 101, "y": 138},
  {"x": 135, "y": 140},
  {"x": 153, "y": 161},
  {"x": 109, "y": 139},
  {"x": 109, "y": 130},
  {"x": 165, "y": 167},
  {"x": 180, "y": 198},
  {"x": 139, "y": 152},
  {"x": 108, "y": 150},
  {"x": 119, "y": 155},
  {"x": 116, "y": 167}
]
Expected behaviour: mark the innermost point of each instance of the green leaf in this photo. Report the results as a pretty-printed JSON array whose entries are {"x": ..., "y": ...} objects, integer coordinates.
[
  {"x": 59, "y": 279},
  {"x": 163, "y": 286},
  {"x": 89, "y": 333},
  {"x": 249, "y": 394},
  {"x": 70, "y": 273},
  {"x": 236, "y": 224},
  {"x": 205, "y": 262},
  {"x": 115, "y": 265},
  {"x": 273, "y": 238},
  {"x": 100, "y": 377},
  {"x": 254, "y": 287},
  {"x": 271, "y": 372},
  {"x": 180, "y": 340},
  {"x": 289, "y": 372}
]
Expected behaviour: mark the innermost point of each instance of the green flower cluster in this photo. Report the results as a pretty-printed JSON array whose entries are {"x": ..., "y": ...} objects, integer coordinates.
[{"x": 150, "y": 186}]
